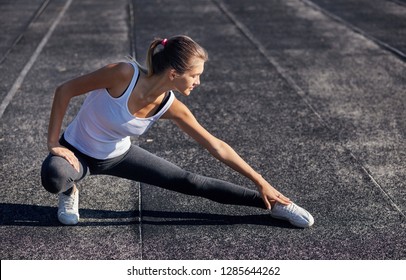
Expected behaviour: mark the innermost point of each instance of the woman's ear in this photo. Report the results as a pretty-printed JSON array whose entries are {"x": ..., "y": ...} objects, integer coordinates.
[{"x": 173, "y": 74}]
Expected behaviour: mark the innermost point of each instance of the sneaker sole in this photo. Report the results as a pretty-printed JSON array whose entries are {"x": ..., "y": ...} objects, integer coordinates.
[
  {"x": 306, "y": 223},
  {"x": 68, "y": 222}
]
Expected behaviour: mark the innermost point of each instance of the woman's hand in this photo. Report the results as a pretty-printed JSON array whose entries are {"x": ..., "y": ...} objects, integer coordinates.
[
  {"x": 270, "y": 195},
  {"x": 61, "y": 151}
]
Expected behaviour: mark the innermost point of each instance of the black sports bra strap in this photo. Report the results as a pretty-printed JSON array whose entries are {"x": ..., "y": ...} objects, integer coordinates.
[{"x": 166, "y": 98}]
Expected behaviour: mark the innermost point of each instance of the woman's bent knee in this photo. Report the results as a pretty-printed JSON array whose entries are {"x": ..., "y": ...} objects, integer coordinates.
[{"x": 55, "y": 176}]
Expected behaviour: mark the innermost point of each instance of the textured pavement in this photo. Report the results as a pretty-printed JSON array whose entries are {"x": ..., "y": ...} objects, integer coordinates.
[{"x": 311, "y": 93}]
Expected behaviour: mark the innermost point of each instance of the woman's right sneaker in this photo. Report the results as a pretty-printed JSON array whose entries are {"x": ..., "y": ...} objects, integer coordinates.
[
  {"x": 296, "y": 215},
  {"x": 68, "y": 208}
]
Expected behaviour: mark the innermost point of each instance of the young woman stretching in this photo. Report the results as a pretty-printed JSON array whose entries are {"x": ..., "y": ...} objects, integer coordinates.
[{"x": 125, "y": 100}]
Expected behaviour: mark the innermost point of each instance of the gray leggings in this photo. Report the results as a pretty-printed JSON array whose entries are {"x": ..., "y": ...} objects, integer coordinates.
[{"x": 139, "y": 165}]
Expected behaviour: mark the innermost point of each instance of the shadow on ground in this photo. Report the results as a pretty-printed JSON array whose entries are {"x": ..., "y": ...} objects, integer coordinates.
[{"x": 37, "y": 215}]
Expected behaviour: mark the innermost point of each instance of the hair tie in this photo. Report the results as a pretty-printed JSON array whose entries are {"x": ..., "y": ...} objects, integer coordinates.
[{"x": 164, "y": 41}]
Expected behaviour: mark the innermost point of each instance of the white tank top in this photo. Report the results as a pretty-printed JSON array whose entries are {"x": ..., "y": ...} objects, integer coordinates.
[{"x": 103, "y": 126}]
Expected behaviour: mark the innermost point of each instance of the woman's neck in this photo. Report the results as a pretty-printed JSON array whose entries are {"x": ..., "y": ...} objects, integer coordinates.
[{"x": 150, "y": 88}]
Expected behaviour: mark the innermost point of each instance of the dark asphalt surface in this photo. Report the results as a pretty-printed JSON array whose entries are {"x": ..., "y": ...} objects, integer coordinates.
[{"x": 311, "y": 93}]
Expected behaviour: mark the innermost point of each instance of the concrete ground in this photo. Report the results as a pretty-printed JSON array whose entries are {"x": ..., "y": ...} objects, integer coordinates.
[{"x": 311, "y": 93}]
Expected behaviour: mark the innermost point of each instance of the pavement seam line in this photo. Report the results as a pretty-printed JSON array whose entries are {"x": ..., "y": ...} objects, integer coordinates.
[
  {"x": 36, "y": 15},
  {"x": 141, "y": 243},
  {"x": 131, "y": 16},
  {"x": 380, "y": 187},
  {"x": 382, "y": 45},
  {"x": 245, "y": 31},
  {"x": 20, "y": 79},
  {"x": 133, "y": 52}
]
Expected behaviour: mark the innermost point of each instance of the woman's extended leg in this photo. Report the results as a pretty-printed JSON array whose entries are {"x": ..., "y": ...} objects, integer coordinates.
[{"x": 143, "y": 166}]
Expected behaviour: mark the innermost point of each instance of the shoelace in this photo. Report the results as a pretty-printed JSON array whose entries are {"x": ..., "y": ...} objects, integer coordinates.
[
  {"x": 291, "y": 208},
  {"x": 291, "y": 211},
  {"x": 68, "y": 202}
]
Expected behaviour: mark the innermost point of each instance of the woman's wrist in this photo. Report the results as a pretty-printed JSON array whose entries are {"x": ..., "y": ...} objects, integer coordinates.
[
  {"x": 258, "y": 180},
  {"x": 52, "y": 145}
]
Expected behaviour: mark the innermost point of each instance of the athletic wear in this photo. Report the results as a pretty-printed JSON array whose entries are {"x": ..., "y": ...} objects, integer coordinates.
[
  {"x": 68, "y": 208},
  {"x": 137, "y": 164},
  {"x": 103, "y": 126},
  {"x": 296, "y": 215}
]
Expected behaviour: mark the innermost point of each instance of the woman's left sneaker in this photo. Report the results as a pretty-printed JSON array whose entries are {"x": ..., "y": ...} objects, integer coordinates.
[
  {"x": 296, "y": 215},
  {"x": 68, "y": 208}
]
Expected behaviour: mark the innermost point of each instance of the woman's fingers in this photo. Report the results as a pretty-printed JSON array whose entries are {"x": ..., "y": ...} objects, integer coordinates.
[
  {"x": 284, "y": 200},
  {"x": 267, "y": 203},
  {"x": 271, "y": 197},
  {"x": 73, "y": 160},
  {"x": 68, "y": 155}
]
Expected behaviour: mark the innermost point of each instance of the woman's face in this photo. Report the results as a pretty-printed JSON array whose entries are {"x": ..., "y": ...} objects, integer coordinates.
[{"x": 187, "y": 81}]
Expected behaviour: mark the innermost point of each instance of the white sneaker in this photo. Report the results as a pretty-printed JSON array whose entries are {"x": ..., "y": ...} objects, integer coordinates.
[
  {"x": 68, "y": 208},
  {"x": 296, "y": 215}
]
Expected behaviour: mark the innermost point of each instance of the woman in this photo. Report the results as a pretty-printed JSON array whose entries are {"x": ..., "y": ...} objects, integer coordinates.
[{"x": 125, "y": 100}]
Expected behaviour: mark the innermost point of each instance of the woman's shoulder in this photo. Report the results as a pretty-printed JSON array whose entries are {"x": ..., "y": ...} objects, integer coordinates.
[
  {"x": 122, "y": 70},
  {"x": 116, "y": 77}
]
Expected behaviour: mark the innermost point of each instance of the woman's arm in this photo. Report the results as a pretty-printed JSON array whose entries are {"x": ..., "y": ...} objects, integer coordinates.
[
  {"x": 113, "y": 77},
  {"x": 185, "y": 120}
]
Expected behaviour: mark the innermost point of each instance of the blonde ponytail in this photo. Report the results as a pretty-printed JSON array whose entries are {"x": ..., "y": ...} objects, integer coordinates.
[{"x": 150, "y": 54}]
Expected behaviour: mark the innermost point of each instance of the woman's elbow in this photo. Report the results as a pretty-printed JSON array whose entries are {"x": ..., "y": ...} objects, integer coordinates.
[
  {"x": 63, "y": 92},
  {"x": 60, "y": 89},
  {"x": 219, "y": 149}
]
